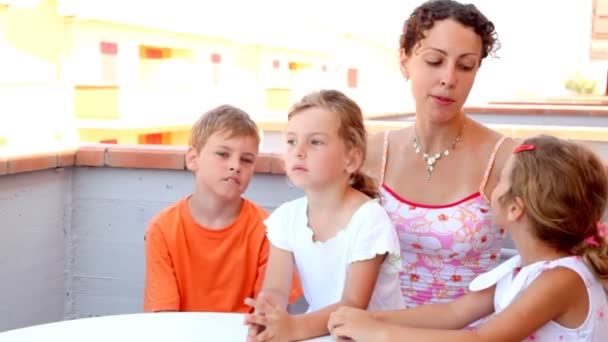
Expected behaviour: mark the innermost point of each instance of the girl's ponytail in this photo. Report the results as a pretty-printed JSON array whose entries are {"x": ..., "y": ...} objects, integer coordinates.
[
  {"x": 595, "y": 252},
  {"x": 365, "y": 184}
]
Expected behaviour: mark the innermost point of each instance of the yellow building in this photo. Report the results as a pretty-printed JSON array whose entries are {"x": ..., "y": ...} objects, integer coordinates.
[{"x": 140, "y": 72}]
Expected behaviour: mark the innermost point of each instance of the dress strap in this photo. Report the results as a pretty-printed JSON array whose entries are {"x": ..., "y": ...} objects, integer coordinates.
[
  {"x": 384, "y": 157},
  {"x": 486, "y": 175}
]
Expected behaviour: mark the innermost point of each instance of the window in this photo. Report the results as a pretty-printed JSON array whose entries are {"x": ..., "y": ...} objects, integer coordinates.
[{"x": 599, "y": 30}]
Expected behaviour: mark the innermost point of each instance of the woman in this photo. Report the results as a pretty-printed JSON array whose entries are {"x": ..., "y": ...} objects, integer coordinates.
[{"x": 436, "y": 175}]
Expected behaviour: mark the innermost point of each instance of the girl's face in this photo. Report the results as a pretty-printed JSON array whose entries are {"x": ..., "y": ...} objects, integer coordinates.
[
  {"x": 316, "y": 155},
  {"x": 499, "y": 209},
  {"x": 442, "y": 68}
]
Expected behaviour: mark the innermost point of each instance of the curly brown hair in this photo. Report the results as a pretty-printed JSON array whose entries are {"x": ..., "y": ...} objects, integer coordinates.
[{"x": 424, "y": 17}]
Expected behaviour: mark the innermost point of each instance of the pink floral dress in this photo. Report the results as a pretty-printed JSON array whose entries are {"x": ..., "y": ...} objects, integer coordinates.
[{"x": 443, "y": 248}]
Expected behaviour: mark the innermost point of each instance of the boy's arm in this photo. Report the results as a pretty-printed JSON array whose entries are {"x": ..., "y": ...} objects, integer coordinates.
[
  {"x": 160, "y": 291},
  {"x": 360, "y": 282}
]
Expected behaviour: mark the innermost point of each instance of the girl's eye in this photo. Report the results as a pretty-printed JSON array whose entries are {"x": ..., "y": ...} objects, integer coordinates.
[
  {"x": 291, "y": 142},
  {"x": 433, "y": 63},
  {"x": 222, "y": 154},
  {"x": 247, "y": 160},
  {"x": 316, "y": 142}
]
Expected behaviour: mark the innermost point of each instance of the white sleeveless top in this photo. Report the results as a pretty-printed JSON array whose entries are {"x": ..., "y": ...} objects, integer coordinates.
[{"x": 511, "y": 280}]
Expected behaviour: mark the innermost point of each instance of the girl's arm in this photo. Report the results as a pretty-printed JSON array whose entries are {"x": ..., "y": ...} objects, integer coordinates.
[
  {"x": 454, "y": 315},
  {"x": 360, "y": 282},
  {"x": 279, "y": 273},
  {"x": 554, "y": 293}
]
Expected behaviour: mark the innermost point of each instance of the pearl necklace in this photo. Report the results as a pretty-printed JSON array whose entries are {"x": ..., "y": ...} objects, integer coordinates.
[{"x": 431, "y": 159}]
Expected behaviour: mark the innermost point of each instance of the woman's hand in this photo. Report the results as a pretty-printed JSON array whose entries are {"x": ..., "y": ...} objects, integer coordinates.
[
  {"x": 269, "y": 322},
  {"x": 354, "y": 324}
]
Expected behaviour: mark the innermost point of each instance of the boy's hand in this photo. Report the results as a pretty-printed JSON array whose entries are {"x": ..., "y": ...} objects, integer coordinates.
[
  {"x": 347, "y": 324},
  {"x": 274, "y": 320}
]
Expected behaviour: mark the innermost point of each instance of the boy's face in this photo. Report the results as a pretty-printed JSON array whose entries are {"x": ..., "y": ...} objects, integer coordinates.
[{"x": 224, "y": 166}]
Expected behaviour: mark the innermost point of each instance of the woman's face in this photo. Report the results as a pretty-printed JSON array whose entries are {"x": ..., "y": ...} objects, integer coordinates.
[{"x": 442, "y": 69}]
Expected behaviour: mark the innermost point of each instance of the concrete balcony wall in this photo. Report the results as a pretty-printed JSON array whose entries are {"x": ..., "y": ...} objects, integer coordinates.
[{"x": 35, "y": 225}]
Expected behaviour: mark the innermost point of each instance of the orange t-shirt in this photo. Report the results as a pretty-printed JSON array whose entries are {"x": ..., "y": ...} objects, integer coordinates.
[{"x": 192, "y": 268}]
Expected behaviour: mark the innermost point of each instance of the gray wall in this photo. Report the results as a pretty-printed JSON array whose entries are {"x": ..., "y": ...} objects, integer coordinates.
[{"x": 34, "y": 224}]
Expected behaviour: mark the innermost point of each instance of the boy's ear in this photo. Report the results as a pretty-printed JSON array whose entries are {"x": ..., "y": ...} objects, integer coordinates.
[
  {"x": 403, "y": 58},
  {"x": 191, "y": 156},
  {"x": 516, "y": 209},
  {"x": 354, "y": 160}
]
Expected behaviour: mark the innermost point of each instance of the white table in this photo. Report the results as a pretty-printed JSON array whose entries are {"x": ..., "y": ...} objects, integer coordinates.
[{"x": 148, "y": 327}]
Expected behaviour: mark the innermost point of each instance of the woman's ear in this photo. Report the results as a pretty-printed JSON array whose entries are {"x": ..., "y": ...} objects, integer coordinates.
[
  {"x": 191, "y": 156},
  {"x": 403, "y": 59}
]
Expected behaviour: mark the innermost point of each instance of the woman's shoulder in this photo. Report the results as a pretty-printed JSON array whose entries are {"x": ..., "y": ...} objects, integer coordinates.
[{"x": 376, "y": 150}]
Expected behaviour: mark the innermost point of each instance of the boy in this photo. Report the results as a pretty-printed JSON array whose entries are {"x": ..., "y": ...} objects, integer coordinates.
[{"x": 208, "y": 251}]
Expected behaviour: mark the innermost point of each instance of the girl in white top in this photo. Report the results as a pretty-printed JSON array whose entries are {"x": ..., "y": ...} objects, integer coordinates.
[
  {"x": 550, "y": 198},
  {"x": 338, "y": 237}
]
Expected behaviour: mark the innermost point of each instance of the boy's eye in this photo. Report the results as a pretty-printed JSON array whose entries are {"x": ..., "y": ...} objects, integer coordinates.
[
  {"x": 291, "y": 142},
  {"x": 247, "y": 160},
  {"x": 222, "y": 154},
  {"x": 316, "y": 142}
]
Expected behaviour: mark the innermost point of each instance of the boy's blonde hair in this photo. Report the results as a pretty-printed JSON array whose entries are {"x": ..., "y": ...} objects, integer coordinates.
[
  {"x": 564, "y": 188},
  {"x": 225, "y": 118},
  {"x": 351, "y": 131}
]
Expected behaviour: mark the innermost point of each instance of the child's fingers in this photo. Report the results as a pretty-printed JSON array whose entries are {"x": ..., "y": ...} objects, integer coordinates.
[
  {"x": 335, "y": 320},
  {"x": 257, "y": 319},
  {"x": 265, "y": 335},
  {"x": 251, "y": 302},
  {"x": 341, "y": 333}
]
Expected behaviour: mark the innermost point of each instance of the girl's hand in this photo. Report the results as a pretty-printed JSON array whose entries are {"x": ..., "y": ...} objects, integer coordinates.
[
  {"x": 270, "y": 322},
  {"x": 353, "y": 324}
]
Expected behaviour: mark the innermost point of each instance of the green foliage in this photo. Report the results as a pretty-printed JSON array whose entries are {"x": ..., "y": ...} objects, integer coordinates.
[{"x": 580, "y": 84}]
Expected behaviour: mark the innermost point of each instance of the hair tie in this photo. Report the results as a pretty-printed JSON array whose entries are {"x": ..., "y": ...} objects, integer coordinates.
[
  {"x": 602, "y": 229},
  {"x": 592, "y": 241},
  {"x": 524, "y": 147}
]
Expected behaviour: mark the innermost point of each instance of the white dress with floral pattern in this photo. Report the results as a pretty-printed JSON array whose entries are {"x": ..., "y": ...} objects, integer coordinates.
[{"x": 512, "y": 280}]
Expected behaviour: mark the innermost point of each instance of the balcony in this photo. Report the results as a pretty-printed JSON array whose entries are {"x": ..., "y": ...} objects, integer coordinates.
[{"x": 73, "y": 222}]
